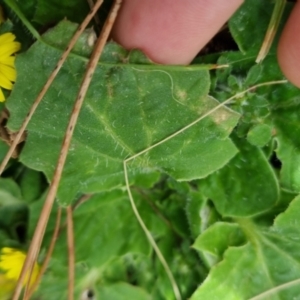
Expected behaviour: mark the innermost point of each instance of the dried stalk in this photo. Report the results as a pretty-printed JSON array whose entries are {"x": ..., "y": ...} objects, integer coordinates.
[
  {"x": 44, "y": 217},
  {"x": 71, "y": 252},
  {"x": 48, "y": 255},
  {"x": 271, "y": 31}
]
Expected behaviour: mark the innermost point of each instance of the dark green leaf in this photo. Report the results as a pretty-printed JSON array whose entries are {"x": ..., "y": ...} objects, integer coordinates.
[
  {"x": 56, "y": 10},
  {"x": 14, "y": 214}
]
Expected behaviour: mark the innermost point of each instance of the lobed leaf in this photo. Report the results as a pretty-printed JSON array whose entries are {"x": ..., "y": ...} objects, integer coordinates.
[{"x": 129, "y": 107}]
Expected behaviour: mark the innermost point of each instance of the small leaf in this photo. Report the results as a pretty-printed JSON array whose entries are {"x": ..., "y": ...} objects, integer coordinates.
[
  {"x": 246, "y": 186},
  {"x": 259, "y": 135},
  {"x": 216, "y": 239}
]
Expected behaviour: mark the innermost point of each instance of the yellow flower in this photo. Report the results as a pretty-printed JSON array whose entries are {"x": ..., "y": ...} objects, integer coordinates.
[
  {"x": 7, "y": 287},
  {"x": 8, "y": 46},
  {"x": 11, "y": 263}
]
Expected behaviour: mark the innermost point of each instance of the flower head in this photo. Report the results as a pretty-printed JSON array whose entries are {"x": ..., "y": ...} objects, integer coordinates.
[
  {"x": 11, "y": 263},
  {"x": 8, "y": 46}
]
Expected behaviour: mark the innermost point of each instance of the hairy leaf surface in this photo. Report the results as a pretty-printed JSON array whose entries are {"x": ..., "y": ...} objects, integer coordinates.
[{"x": 131, "y": 105}]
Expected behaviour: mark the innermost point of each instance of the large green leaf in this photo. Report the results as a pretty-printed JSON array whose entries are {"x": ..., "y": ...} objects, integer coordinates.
[
  {"x": 131, "y": 105},
  {"x": 269, "y": 259}
]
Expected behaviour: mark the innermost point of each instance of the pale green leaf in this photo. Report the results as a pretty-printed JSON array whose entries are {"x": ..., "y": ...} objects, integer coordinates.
[{"x": 270, "y": 258}]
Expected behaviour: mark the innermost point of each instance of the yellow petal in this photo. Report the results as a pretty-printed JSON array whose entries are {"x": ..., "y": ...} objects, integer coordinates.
[
  {"x": 5, "y": 82},
  {"x": 9, "y": 72},
  {"x": 8, "y": 61},
  {"x": 2, "y": 98},
  {"x": 7, "y": 37},
  {"x": 8, "y": 49},
  {"x": 11, "y": 262}
]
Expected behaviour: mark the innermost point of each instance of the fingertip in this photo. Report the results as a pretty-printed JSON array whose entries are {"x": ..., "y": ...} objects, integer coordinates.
[
  {"x": 289, "y": 47},
  {"x": 171, "y": 31}
]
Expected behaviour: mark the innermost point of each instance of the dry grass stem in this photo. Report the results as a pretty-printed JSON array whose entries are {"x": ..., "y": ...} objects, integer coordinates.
[
  {"x": 81, "y": 200},
  {"x": 46, "y": 210},
  {"x": 271, "y": 31},
  {"x": 277, "y": 289},
  {"x": 48, "y": 255},
  {"x": 71, "y": 252},
  {"x": 96, "y": 17}
]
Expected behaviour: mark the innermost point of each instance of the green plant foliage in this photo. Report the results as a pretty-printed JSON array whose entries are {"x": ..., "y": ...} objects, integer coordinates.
[
  {"x": 47, "y": 12},
  {"x": 243, "y": 21},
  {"x": 252, "y": 15},
  {"x": 219, "y": 194},
  {"x": 216, "y": 239},
  {"x": 129, "y": 107},
  {"x": 122, "y": 291},
  {"x": 269, "y": 259},
  {"x": 231, "y": 188},
  {"x": 288, "y": 150},
  {"x": 259, "y": 135},
  {"x": 103, "y": 260},
  {"x": 14, "y": 214}
]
